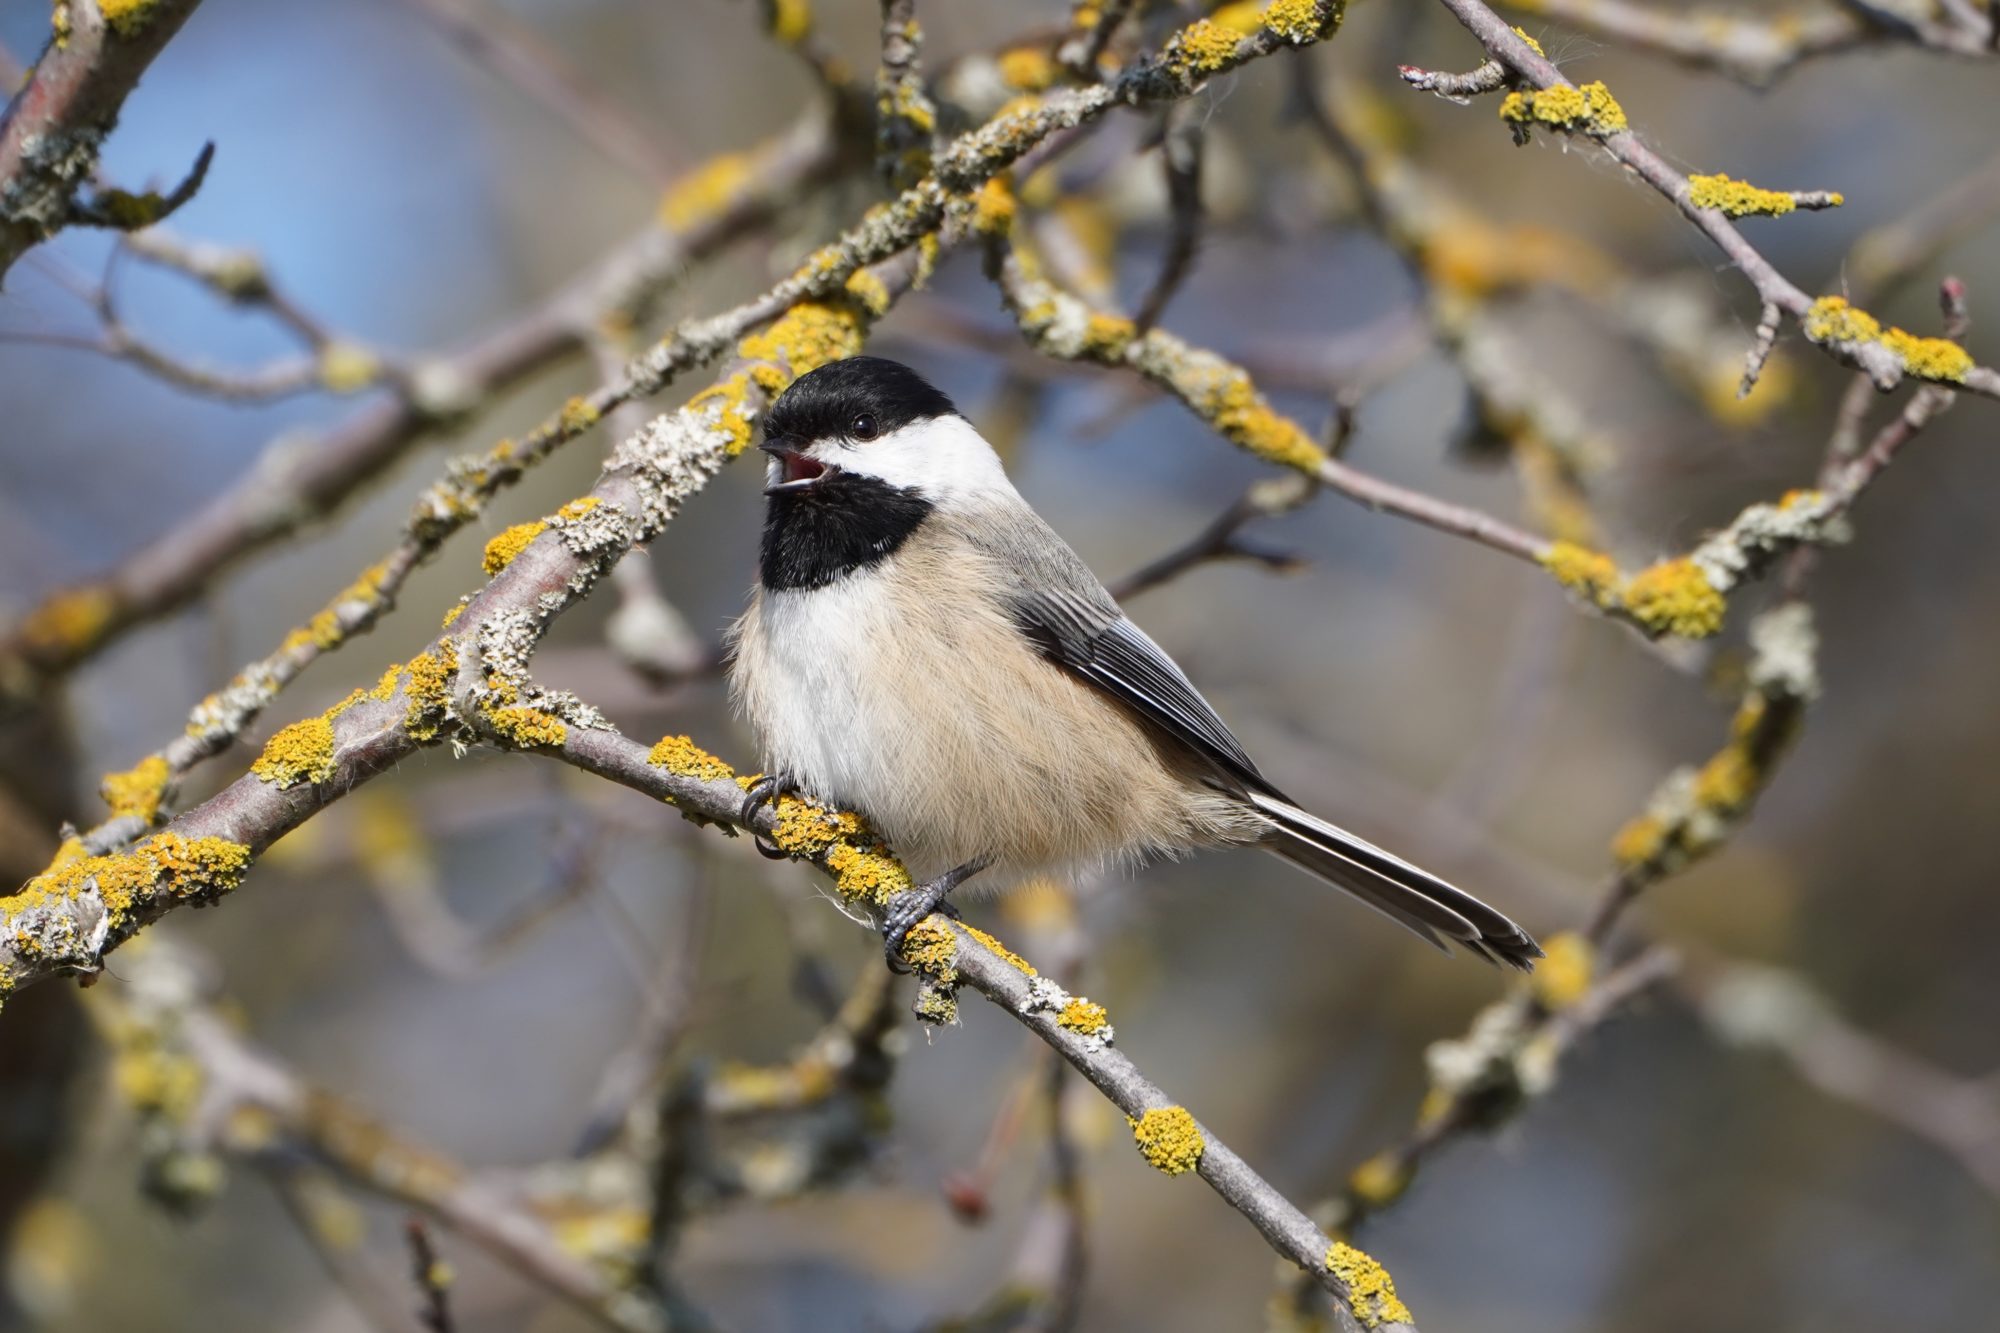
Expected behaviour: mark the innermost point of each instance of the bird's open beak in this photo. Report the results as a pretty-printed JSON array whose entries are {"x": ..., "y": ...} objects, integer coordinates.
[{"x": 795, "y": 471}]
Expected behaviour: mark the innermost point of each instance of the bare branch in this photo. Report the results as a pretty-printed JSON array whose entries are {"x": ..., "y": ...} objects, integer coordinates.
[{"x": 55, "y": 125}]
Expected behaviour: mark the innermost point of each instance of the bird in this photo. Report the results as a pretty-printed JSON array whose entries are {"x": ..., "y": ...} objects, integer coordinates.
[{"x": 920, "y": 647}]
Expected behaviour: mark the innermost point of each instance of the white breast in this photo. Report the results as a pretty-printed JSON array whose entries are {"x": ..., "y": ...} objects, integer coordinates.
[{"x": 804, "y": 676}]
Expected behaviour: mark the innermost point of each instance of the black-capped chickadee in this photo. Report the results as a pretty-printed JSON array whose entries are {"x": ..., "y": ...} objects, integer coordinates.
[{"x": 923, "y": 649}]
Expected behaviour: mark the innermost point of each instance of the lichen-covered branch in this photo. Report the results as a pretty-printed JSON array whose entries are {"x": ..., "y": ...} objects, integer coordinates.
[
  {"x": 949, "y": 955},
  {"x": 1550, "y": 102},
  {"x": 1755, "y": 47},
  {"x": 55, "y": 125},
  {"x": 300, "y": 480}
]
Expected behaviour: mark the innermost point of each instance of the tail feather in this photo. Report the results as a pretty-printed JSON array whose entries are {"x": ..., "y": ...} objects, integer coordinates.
[{"x": 1414, "y": 898}]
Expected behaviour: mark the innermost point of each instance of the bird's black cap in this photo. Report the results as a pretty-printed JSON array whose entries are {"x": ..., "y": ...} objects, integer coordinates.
[{"x": 821, "y": 404}]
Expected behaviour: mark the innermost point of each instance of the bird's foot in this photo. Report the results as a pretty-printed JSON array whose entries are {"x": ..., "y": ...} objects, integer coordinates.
[
  {"x": 910, "y": 906},
  {"x": 766, "y": 790}
]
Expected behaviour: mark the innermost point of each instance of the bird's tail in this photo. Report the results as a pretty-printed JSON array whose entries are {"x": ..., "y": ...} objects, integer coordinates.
[{"x": 1392, "y": 886}]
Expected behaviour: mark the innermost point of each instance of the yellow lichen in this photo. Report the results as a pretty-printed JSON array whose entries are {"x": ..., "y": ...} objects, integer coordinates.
[
  {"x": 429, "y": 691},
  {"x": 1833, "y": 320},
  {"x": 527, "y": 727},
  {"x": 1564, "y": 974},
  {"x": 1006, "y": 954},
  {"x": 808, "y": 336},
  {"x": 45, "y": 915},
  {"x": 451, "y": 616},
  {"x": 1203, "y": 47},
  {"x": 1533, "y": 45},
  {"x": 127, "y": 18},
  {"x": 302, "y": 752},
  {"x": 1082, "y": 1016},
  {"x": 1027, "y": 69},
  {"x": 705, "y": 191},
  {"x": 1380, "y": 1180},
  {"x": 932, "y": 949},
  {"x": 733, "y": 416},
  {"x": 1302, "y": 21},
  {"x": 862, "y": 875},
  {"x": 1675, "y": 597},
  {"x": 993, "y": 207},
  {"x": 1236, "y": 409},
  {"x": 1169, "y": 1139},
  {"x": 678, "y": 754},
  {"x": 137, "y": 791},
  {"x": 1590, "y": 109},
  {"x": 509, "y": 543},
  {"x": 71, "y": 622},
  {"x": 1370, "y": 1290},
  {"x": 791, "y": 20},
  {"x": 1590, "y": 574},
  {"x": 1937, "y": 359},
  {"x": 346, "y": 367},
  {"x": 1642, "y": 841},
  {"x": 578, "y": 507},
  {"x": 871, "y": 291},
  {"x": 1742, "y": 199},
  {"x": 804, "y": 829},
  {"x": 577, "y": 416}
]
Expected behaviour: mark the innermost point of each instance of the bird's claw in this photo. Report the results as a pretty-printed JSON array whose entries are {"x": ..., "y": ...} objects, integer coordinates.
[
  {"x": 766, "y": 790},
  {"x": 910, "y": 906}
]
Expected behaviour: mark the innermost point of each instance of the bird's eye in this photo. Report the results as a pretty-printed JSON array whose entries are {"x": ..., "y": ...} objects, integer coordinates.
[{"x": 862, "y": 427}]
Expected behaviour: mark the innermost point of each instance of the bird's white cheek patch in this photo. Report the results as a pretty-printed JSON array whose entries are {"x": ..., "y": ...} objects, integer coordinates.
[{"x": 941, "y": 458}]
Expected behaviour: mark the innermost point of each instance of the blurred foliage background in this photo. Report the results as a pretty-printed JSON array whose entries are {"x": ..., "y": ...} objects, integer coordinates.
[{"x": 1444, "y": 700}]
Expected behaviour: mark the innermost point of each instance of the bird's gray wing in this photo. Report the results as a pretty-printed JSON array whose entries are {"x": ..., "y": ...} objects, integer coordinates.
[{"x": 1060, "y": 605}]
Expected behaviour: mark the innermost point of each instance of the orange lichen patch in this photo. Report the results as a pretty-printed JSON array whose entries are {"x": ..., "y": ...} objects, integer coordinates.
[
  {"x": 1590, "y": 109},
  {"x": 528, "y": 727},
  {"x": 1082, "y": 1016},
  {"x": 1169, "y": 1139},
  {"x": 138, "y": 790},
  {"x": 1370, "y": 1290},
  {"x": 71, "y": 622},
  {"x": 1006, "y": 954},
  {"x": 509, "y": 543},
  {"x": 705, "y": 191},
  {"x": 1563, "y": 976},
  {"x": 678, "y": 754},
  {"x": 1675, "y": 597},
  {"x": 300, "y": 753}
]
